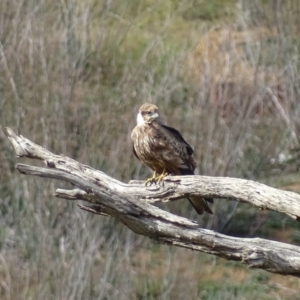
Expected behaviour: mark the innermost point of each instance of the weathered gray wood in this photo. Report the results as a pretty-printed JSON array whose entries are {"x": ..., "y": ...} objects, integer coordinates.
[{"x": 132, "y": 205}]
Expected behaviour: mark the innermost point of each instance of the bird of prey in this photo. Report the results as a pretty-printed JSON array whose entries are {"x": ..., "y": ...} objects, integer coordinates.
[{"x": 164, "y": 150}]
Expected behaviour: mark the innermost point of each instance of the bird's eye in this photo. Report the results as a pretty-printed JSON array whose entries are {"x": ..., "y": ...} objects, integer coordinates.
[{"x": 148, "y": 112}]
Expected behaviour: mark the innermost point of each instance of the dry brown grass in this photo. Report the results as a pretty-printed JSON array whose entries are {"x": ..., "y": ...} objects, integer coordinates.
[{"x": 72, "y": 75}]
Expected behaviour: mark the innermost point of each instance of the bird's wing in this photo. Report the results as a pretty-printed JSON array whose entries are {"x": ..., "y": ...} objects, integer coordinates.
[
  {"x": 199, "y": 203},
  {"x": 177, "y": 135},
  {"x": 182, "y": 148}
]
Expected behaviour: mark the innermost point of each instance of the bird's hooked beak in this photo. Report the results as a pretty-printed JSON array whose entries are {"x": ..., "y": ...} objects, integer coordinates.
[{"x": 154, "y": 116}]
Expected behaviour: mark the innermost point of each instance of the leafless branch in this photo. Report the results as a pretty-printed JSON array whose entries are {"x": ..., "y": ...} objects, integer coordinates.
[{"x": 132, "y": 205}]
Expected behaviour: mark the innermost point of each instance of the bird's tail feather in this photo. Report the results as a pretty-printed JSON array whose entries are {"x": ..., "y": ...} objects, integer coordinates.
[{"x": 200, "y": 204}]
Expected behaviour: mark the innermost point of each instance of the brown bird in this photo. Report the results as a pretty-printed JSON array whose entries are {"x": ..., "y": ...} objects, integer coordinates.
[{"x": 164, "y": 150}]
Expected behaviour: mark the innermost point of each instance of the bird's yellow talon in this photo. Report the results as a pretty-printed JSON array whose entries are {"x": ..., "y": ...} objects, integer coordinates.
[
  {"x": 156, "y": 178},
  {"x": 160, "y": 178},
  {"x": 151, "y": 179}
]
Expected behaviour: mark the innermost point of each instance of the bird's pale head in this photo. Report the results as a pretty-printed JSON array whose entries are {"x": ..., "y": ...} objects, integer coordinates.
[{"x": 147, "y": 114}]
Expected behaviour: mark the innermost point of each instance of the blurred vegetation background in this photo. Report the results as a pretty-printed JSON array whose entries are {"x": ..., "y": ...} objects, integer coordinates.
[{"x": 72, "y": 76}]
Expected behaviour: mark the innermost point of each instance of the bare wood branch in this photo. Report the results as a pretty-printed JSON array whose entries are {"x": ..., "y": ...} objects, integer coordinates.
[
  {"x": 131, "y": 205},
  {"x": 94, "y": 209}
]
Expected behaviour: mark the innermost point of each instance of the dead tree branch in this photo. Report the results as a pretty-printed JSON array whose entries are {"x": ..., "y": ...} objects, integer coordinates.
[{"x": 131, "y": 204}]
